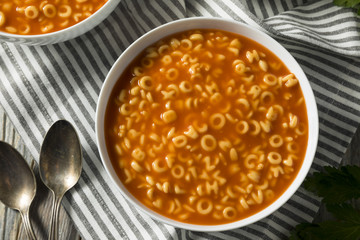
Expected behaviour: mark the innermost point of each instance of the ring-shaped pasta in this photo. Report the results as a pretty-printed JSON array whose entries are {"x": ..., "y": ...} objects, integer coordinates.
[
  {"x": 276, "y": 141},
  {"x": 24, "y": 28},
  {"x": 146, "y": 83},
  {"x": 274, "y": 157},
  {"x": 31, "y": 12},
  {"x": 200, "y": 128},
  {"x": 166, "y": 60},
  {"x": 229, "y": 212},
  {"x": 49, "y": 10},
  {"x": 64, "y": 11},
  {"x": 301, "y": 129},
  {"x": 138, "y": 71},
  {"x": 242, "y": 127},
  {"x": 147, "y": 62},
  {"x": 216, "y": 98},
  {"x": 177, "y": 171},
  {"x": 159, "y": 165},
  {"x": 204, "y": 206},
  {"x": 125, "y": 109},
  {"x": 208, "y": 143},
  {"x": 267, "y": 97},
  {"x": 270, "y": 79},
  {"x": 254, "y": 127},
  {"x": 217, "y": 121},
  {"x": 292, "y": 147},
  {"x": 186, "y": 44},
  {"x": 179, "y": 141},
  {"x": 172, "y": 74},
  {"x": 243, "y": 102},
  {"x": 163, "y": 49},
  {"x": 185, "y": 87}
]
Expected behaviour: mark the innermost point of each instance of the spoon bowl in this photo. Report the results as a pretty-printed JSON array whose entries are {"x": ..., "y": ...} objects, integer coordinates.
[
  {"x": 60, "y": 165},
  {"x": 17, "y": 183}
]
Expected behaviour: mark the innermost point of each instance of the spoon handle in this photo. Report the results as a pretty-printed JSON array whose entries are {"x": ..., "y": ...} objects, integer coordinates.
[
  {"x": 27, "y": 224},
  {"x": 53, "y": 235}
]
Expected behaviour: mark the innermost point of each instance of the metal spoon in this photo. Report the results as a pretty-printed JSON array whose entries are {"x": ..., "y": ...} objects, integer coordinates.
[
  {"x": 60, "y": 165},
  {"x": 17, "y": 184}
]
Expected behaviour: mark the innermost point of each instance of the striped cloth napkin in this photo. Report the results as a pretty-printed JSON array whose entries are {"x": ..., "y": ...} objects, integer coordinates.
[{"x": 42, "y": 84}]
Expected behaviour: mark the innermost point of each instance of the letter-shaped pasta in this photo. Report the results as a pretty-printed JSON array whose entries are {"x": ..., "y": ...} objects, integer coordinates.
[
  {"x": 2, "y": 18},
  {"x": 191, "y": 132},
  {"x": 204, "y": 206},
  {"x": 233, "y": 154},
  {"x": 255, "y": 91},
  {"x": 271, "y": 114},
  {"x": 138, "y": 154},
  {"x": 136, "y": 166},
  {"x": 208, "y": 143},
  {"x": 217, "y": 121},
  {"x": 263, "y": 65},
  {"x": 169, "y": 116},
  {"x": 250, "y": 161},
  {"x": 196, "y": 37},
  {"x": 242, "y": 127}
]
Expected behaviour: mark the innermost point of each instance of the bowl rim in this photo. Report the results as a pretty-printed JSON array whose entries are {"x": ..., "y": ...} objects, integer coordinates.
[
  {"x": 203, "y": 23},
  {"x": 62, "y": 31}
]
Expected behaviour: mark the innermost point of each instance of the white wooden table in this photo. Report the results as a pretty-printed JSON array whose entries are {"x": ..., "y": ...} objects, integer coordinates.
[{"x": 11, "y": 227}]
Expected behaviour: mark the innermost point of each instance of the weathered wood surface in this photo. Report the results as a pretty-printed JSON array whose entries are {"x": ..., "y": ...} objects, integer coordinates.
[{"x": 11, "y": 227}]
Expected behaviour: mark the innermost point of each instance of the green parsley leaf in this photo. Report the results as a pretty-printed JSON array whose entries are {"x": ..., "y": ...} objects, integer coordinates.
[
  {"x": 346, "y": 227},
  {"x": 349, "y": 4},
  {"x": 335, "y": 185},
  {"x": 308, "y": 231}
]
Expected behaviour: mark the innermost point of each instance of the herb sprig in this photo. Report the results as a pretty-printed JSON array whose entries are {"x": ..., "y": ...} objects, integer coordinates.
[
  {"x": 337, "y": 187},
  {"x": 349, "y": 4}
]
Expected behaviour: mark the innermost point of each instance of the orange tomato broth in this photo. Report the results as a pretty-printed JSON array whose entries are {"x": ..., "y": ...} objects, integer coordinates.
[
  {"x": 218, "y": 168},
  {"x": 15, "y": 20}
]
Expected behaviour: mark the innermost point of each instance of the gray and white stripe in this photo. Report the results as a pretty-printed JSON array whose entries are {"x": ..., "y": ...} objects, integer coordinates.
[{"x": 42, "y": 84}]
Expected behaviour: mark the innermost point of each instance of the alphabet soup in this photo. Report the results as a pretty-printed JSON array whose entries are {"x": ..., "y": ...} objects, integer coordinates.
[{"x": 206, "y": 127}]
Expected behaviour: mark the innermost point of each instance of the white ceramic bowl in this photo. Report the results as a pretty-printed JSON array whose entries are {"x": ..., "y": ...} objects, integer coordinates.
[
  {"x": 65, "y": 34},
  {"x": 230, "y": 26}
]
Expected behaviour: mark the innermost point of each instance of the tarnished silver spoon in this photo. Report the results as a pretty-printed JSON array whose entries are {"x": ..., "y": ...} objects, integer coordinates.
[
  {"x": 17, "y": 184},
  {"x": 60, "y": 165}
]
